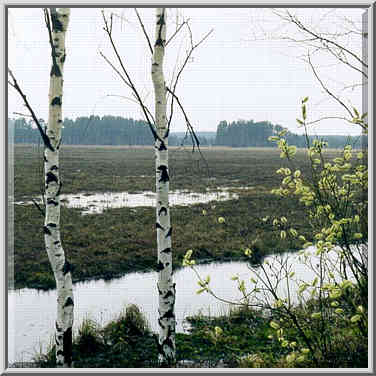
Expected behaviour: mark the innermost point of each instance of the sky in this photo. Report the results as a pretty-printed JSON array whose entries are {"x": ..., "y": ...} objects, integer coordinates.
[{"x": 243, "y": 70}]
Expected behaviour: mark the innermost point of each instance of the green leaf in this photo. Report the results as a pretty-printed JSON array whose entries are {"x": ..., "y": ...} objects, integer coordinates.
[
  {"x": 355, "y": 318},
  {"x": 305, "y": 100}
]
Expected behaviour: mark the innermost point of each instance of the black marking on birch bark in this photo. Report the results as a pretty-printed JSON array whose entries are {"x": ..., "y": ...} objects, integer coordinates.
[
  {"x": 169, "y": 232},
  {"x": 169, "y": 314},
  {"x": 58, "y": 254},
  {"x": 167, "y": 250},
  {"x": 155, "y": 64},
  {"x": 51, "y": 224},
  {"x": 54, "y": 168},
  {"x": 56, "y": 101},
  {"x": 160, "y": 266},
  {"x": 50, "y": 201},
  {"x": 59, "y": 352},
  {"x": 51, "y": 177},
  {"x": 68, "y": 302},
  {"x": 58, "y": 327},
  {"x": 44, "y": 158},
  {"x": 56, "y": 242},
  {"x": 157, "y": 225},
  {"x": 59, "y": 190},
  {"x": 60, "y": 121},
  {"x": 162, "y": 146},
  {"x": 67, "y": 267},
  {"x": 63, "y": 59},
  {"x": 67, "y": 346},
  {"x": 46, "y": 230},
  {"x": 168, "y": 294},
  {"x": 58, "y": 144},
  {"x": 56, "y": 24},
  {"x": 55, "y": 71},
  {"x": 161, "y": 21},
  {"x": 164, "y": 173},
  {"x": 160, "y": 323},
  {"x": 162, "y": 210}
]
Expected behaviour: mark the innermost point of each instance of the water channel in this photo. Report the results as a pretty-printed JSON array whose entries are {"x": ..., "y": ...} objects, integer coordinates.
[{"x": 32, "y": 312}]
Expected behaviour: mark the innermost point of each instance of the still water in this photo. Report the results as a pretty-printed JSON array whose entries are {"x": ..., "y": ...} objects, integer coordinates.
[
  {"x": 32, "y": 312},
  {"x": 96, "y": 203}
]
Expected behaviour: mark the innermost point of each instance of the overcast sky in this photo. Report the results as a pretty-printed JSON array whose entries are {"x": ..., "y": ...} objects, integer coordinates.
[{"x": 242, "y": 71}]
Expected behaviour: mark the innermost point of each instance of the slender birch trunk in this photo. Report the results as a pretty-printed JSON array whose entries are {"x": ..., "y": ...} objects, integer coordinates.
[
  {"x": 166, "y": 287},
  {"x": 60, "y": 266}
]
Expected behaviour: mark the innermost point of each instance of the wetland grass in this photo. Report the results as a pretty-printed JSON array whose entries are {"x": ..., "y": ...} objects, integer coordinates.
[{"x": 122, "y": 240}]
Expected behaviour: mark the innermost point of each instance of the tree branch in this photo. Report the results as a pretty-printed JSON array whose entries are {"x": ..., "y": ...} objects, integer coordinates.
[
  {"x": 193, "y": 47},
  {"x": 144, "y": 30},
  {"x": 326, "y": 89},
  {"x": 108, "y": 30},
  {"x": 43, "y": 134}
]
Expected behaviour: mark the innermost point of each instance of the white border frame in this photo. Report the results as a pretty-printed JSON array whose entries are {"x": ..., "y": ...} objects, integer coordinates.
[{"x": 368, "y": 5}]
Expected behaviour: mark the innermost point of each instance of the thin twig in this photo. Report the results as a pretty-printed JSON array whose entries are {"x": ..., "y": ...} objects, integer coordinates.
[
  {"x": 144, "y": 30},
  {"x": 326, "y": 89},
  {"x": 195, "y": 139},
  {"x": 193, "y": 47},
  {"x": 297, "y": 22},
  {"x": 176, "y": 31}
]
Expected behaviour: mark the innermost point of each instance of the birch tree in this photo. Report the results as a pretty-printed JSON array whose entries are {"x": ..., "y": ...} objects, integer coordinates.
[
  {"x": 166, "y": 287},
  {"x": 57, "y": 23},
  {"x": 159, "y": 125}
]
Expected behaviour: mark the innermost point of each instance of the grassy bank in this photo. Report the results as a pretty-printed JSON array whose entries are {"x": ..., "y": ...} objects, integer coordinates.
[
  {"x": 240, "y": 339},
  {"x": 123, "y": 240}
]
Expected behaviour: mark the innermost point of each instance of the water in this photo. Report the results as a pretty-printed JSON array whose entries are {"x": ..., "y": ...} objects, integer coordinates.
[
  {"x": 32, "y": 312},
  {"x": 96, "y": 203}
]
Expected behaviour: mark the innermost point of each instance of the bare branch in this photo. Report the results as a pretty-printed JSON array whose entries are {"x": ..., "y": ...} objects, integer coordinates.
[
  {"x": 195, "y": 140},
  {"x": 300, "y": 25},
  {"x": 144, "y": 30},
  {"x": 176, "y": 31},
  {"x": 45, "y": 138},
  {"x": 19, "y": 113},
  {"x": 329, "y": 117},
  {"x": 115, "y": 69},
  {"x": 326, "y": 89},
  {"x": 189, "y": 54},
  {"x": 108, "y": 30}
]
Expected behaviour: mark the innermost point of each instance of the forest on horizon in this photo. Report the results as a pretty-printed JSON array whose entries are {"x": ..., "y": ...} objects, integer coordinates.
[{"x": 116, "y": 130}]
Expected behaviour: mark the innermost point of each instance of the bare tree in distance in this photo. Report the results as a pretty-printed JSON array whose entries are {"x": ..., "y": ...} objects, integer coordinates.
[
  {"x": 159, "y": 124},
  {"x": 57, "y": 21},
  {"x": 327, "y": 34}
]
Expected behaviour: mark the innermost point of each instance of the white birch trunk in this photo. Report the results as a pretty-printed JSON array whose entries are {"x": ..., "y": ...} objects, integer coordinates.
[
  {"x": 61, "y": 268},
  {"x": 166, "y": 287}
]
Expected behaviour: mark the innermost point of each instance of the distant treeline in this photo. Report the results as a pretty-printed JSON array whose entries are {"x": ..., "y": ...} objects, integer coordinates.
[
  {"x": 116, "y": 130},
  {"x": 243, "y": 133}
]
